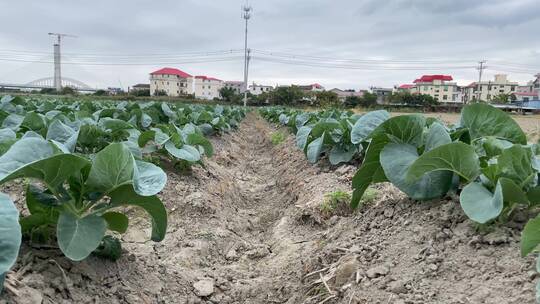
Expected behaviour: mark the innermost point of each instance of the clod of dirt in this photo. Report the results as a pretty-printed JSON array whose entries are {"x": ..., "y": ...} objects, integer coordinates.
[
  {"x": 204, "y": 288},
  {"x": 377, "y": 271}
]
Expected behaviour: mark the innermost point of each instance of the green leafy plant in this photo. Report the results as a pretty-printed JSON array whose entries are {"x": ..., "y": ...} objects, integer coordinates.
[
  {"x": 77, "y": 196},
  {"x": 277, "y": 138}
]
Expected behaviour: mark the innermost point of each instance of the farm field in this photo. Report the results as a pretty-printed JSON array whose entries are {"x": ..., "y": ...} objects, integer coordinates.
[
  {"x": 529, "y": 123},
  {"x": 262, "y": 221}
]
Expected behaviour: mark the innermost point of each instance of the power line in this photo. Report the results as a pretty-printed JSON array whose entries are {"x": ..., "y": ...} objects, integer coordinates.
[{"x": 202, "y": 60}]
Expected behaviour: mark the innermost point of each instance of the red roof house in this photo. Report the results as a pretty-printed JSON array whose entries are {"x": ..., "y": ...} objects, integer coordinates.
[
  {"x": 431, "y": 78},
  {"x": 171, "y": 71}
]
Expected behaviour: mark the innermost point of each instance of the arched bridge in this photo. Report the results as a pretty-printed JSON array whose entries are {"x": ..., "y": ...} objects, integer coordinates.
[{"x": 48, "y": 83}]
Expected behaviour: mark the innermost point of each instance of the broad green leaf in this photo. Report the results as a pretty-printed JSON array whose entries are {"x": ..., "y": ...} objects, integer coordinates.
[
  {"x": 530, "y": 236},
  {"x": 479, "y": 204},
  {"x": 437, "y": 136},
  {"x": 314, "y": 149},
  {"x": 146, "y": 120},
  {"x": 405, "y": 129},
  {"x": 78, "y": 237},
  {"x": 10, "y": 232},
  {"x": 148, "y": 179},
  {"x": 112, "y": 167},
  {"x": 116, "y": 221},
  {"x": 126, "y": 195},
  {"x": 396, "y": 160},
  {"x": 186, "y": 152},
  {"x": 63, "y": 134},
  {"x": 145, "y": 137},
  {"x": 494, "y": 146},
  {"x": 7, "y": 134},
  {"x": 370, "y": 171},
  {"x": 339, "y": 155},
  {"x": 302, "y": 136},
  {"x": 515, "y": 163},
  {"x": 33, "y": 158},
  {"x": 365, "y": 125},
  {"x": 512, "y": 193},
  {"x": 485, "y": 120},
  {"x": 534, "y": 195},
  {"x": 196, "y": 139},
  {"x": 34, "y": 122},
  {"x": 13, "y": 122},
  {"x": 457, "y": 157}
]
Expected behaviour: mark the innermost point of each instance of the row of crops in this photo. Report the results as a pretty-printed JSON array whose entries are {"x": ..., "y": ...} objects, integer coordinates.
[
  {"x": 85, "y": 161},
  {"x": 485, "y": 158}
]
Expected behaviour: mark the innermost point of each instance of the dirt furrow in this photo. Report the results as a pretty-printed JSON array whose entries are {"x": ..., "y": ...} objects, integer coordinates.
[{"x": 249, "y": 227}]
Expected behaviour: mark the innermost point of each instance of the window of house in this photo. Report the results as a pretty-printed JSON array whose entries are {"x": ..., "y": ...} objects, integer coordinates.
[
  {"x": 445, "y": 97},
  {"x": 425, "y": 88},
  {"x": 512, "y": 89},
  {"x": 445, "y": 88}
]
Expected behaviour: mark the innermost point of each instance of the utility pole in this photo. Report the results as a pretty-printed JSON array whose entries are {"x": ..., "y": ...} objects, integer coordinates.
[
  {"x": 246, "y": 15},
  {"x": 480, "y": 68},
  {"x": 57, "y": 57}
]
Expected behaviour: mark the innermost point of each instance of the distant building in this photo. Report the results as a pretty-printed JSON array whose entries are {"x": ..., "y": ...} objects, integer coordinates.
[
  {"x": 488, "y": 90},
  {"x": 439, "y": 87},
  {"x": 527, "y": 96},
  {"x": 237, "y": 86},
  {"x": 382, "y": 93},
  {"x": 206, "y": 87},
  {"x": 114, "y": 91},
  {"x": 343, "y": 94},
  {"x": 257, "y": 89},
  {"x": 315, "y": 87},
  {"x": 173, "y": 82},
  {"x": 141, "y": 87},
  {"x": 406, "y": 88}
]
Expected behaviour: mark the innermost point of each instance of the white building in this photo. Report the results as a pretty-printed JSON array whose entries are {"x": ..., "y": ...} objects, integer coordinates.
[
  {"x": 205, "y": 87},
  {"x": 439, "y": 87},
  {"x": 488, "y": 90},
  {"x": 314, "y": 87},
  {"x": 343, "y": 94},
  {"x": 237, "y": 86},
  {"x": 173, "y": 82},
  {"x": 257, "y": 89}
]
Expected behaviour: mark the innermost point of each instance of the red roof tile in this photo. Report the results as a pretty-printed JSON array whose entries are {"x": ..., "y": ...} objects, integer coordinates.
[
  {"x": 207, "y": 78},
  {"x": 406, "y": 86},
  {"x": 526, "y": 93},
  {"x": 431, "y": 78},
  {"x": 171, "y": 71}
]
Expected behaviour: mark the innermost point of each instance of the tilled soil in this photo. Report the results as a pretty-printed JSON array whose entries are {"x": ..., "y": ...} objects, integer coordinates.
[{"x": 248, "y": 228}]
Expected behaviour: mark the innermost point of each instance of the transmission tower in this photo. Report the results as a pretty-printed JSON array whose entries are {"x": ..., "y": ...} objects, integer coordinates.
[
  {"x": 246, "y": 15},
  {"x": 57, "y": 64}
]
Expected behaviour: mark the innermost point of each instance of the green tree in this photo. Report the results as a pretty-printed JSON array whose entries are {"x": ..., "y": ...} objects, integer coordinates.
[
  {"x": 229, "y": 94},
  {"x": 140, "y": 93},
  {"x": 68, "y": 91},
  {"x": 368, "y": 100},
  {"x": 292, "y": 95},
  {"x": 504, "y": 98},
  {"x": 327, "y": 99},
  {"x": 47, "y": 91},
  {"x": 160, "y": 93},
  {"x": 352, "y": 101},
  {"x": 101, "y": 93}
]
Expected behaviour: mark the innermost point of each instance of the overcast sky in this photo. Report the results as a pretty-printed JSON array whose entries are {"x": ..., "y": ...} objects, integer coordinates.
[{"x": 463, "y": 31}]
